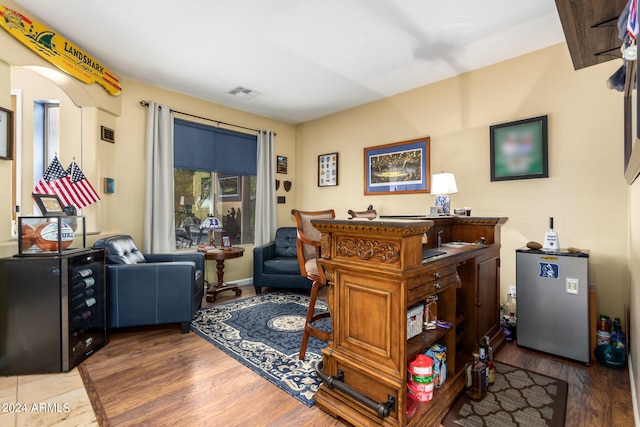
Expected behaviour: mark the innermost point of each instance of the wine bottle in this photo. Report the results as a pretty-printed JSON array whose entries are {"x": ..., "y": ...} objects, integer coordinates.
[
  {"x": 87, "y": 282},
  {"x": 551, "y": 241},
  {"x": 89, "y": 302},
  {"x": 83, "y": 294},
  {"x": 618, "y": 339},
  {"x": 82, "y": 316},
  {"x": 81, "y": 274}
]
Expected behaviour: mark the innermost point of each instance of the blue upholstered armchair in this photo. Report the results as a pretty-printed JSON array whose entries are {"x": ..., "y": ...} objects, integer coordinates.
[
  {"x": 275, "y": 264},
  {"x": 151, "y": 289}
]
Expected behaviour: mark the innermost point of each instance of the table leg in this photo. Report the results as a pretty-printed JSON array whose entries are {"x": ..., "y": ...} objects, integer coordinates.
[
  {"x": 220, "y": 268},
  {"x": 221, "y": 286}
]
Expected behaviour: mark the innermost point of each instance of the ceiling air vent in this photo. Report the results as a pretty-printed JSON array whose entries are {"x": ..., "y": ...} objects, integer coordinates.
[{"x": 243, "y": 92}]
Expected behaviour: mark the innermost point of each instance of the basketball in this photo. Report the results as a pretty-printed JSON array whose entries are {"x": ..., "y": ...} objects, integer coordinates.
[
  {"x": 46, "y": 236},
  {"x": 28, "y": 236}
]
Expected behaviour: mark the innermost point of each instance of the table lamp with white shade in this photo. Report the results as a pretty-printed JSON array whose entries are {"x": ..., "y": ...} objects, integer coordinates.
[{"x": 443, "y": 184}]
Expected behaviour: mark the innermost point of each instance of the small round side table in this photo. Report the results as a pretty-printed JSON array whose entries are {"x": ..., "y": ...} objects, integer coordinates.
[{"x": 220, "y": 256}]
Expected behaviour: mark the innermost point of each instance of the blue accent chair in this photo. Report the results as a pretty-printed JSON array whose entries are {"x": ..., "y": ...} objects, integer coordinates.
[
  {"x": 151, "y": 289},
  {"x": 275, "y": 264}
]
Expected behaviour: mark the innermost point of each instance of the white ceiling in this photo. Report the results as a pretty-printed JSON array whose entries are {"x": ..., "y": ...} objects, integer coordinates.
[{"x": 306, "y": 58}]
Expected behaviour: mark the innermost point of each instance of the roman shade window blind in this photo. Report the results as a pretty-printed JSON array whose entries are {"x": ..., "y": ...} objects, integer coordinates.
[{"x": 208, "y": 148}]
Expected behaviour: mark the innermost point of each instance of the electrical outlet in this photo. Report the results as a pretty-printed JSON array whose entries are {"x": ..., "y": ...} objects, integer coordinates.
[{"x": 573, "y": 286}]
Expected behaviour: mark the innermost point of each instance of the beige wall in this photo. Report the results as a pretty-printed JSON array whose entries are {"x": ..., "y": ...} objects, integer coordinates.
[
  {"x": 586, "y": 192},
  {"x": 124, "y": 161}
]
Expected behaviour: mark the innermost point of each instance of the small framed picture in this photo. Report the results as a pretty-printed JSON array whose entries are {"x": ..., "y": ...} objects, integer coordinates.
[
  {"x": 6, "y": 134},
  {"x": 327, "y": 170},
  {"x": 49, "y": 204},
  {"x": 226, "y": 241},
  {"x": 281, "y": 162},
  {"x": 109, "y": 185}
]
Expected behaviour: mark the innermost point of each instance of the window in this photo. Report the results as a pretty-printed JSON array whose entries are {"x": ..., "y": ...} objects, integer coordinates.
[
  {"x": 46, "y": 140},
  {"x": 214, "y": 175}
]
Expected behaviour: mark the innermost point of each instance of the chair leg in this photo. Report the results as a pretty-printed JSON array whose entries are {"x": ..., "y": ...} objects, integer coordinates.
[
  {"x": 310, "y": 310},
  {"x": 312, "y": 317},
  {"x": 185, "y": 327}
]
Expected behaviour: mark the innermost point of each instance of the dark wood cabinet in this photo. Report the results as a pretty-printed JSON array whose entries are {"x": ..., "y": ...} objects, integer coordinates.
[
  {"x": 488, "y": 305},
  {"x": 52, "y": 311},
  {"x": 375, "y": 273}
]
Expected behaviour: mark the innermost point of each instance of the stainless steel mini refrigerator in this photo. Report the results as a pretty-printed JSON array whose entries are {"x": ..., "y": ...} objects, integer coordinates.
[{"x": 553, "y": 302}]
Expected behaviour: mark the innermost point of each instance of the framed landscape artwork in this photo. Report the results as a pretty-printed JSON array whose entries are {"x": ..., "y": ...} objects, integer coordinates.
[
  {"x": 519, "y": 150},
  {"x": 401, "y": 167}
]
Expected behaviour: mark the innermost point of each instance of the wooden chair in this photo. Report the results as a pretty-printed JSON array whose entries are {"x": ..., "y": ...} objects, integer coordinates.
[
  {"x": 370, "y": 213},
  {"x": 308, "y": 248}
]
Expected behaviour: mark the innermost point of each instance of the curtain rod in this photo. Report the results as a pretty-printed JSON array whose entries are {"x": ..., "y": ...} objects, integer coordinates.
[{"x": 218, "y": 122}]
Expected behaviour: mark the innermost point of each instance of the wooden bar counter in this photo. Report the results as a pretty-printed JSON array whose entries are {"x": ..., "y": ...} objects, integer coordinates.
[{"x": 376, "y": 272}]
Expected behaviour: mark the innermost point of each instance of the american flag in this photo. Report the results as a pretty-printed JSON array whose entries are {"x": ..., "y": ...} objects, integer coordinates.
[
  {"x": 82, "y": 192},
  {"x": 71, "y": 186},
  {"x": 632, "y": 22},
  {"x": 54, "y": 182}
]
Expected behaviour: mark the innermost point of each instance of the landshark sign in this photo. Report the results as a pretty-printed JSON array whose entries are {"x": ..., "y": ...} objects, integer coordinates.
[{"x": 57, "y": 50}]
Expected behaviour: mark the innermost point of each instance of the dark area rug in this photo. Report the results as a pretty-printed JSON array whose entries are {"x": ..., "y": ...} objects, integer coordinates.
[
  {"x": 264, "y": 333},
  {"x": 517, "y": 398}
]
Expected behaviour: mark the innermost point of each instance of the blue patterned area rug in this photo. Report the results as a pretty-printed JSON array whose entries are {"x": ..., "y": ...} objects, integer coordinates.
[{"x": 264, "y": 333}]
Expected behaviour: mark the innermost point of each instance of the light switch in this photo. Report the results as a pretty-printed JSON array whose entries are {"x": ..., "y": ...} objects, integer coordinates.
[{"x": 573, "y": 286}]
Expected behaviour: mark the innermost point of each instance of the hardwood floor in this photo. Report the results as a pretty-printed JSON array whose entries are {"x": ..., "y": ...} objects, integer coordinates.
[
  {"x": 158, "y": 376},
  {"x": 597, "y": 396}
]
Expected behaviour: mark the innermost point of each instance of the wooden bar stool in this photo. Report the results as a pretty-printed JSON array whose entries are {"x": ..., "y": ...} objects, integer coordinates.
[{"x": 308, "y": 248}]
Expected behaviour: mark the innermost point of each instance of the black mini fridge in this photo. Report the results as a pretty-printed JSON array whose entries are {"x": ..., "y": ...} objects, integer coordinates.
[{"x": 52, "y": 311}]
